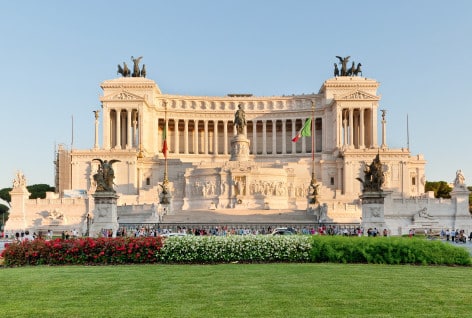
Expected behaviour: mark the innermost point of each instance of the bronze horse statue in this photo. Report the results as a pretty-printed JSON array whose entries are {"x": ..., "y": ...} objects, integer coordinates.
[
  {"x": 357, "y": 70},
  {"x": 336, "y": 70},
  {"x": 350, "y": 71},
  {"x": 124, "y": 71},
  {"x": 143, "y": 71}
]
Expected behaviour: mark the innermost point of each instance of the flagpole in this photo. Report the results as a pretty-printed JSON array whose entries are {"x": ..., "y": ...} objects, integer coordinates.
[
  {"x": 407, "y": 134},
  {"x": 164, "y": 197},
  {"x": 72, "y": 133},
  {"x": 166, "y": 180},
  {"x": 313, "y": 178}
]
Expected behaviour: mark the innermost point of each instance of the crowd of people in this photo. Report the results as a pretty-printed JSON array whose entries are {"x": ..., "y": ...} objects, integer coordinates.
[
  {"x": 455, "y": 236},
  {"x": 140, "y": 231},
  {"x": 27, "y": 235}
]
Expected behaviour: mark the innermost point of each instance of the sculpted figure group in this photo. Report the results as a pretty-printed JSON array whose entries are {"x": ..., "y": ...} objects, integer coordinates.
[
  {"x": 373, "y": 176},
  {"x": 105, "y": 175},
  {"x": 352, "y": 71},
  {"x": 125, "y": 71}
]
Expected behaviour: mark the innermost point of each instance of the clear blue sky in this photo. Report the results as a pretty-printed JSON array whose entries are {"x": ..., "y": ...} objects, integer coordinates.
[{"x": 54, "y": 55}]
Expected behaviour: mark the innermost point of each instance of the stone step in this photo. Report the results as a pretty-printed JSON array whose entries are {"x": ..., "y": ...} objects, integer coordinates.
[{"x": 239, "y": 216}]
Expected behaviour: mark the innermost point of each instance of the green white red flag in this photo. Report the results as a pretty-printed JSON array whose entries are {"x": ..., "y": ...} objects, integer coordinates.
[
  {"x": 164, "y": 143},
  {"x": 305, "y": 131}
]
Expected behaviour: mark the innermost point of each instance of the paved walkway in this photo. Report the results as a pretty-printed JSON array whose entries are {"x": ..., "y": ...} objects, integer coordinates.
[{"x": 467, "y": 246}]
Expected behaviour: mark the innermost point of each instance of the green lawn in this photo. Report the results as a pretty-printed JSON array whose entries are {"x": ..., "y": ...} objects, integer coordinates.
[{"x": 236, "y": 290}]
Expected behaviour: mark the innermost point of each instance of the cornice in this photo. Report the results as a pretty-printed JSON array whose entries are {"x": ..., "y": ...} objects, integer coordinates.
[
  {"x": 130, "y": 82},
  {"x": 348, "y": 81},
  {"x": 306, "y": 97}
]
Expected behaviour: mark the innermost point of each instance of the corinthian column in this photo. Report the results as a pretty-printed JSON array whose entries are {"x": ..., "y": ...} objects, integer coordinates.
[
  {"x": 186, "y": 136},
  {"x": 118, "y": 129}
]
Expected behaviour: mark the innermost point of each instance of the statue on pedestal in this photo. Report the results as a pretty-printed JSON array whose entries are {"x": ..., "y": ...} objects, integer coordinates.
[
  {"x": 374, "y": 176},
  {"x": 105, "y": 175},
  {"x": 459, "y": 182},
  {"x": 240, "y": 120},
  {"x": 19, "y": 181}
]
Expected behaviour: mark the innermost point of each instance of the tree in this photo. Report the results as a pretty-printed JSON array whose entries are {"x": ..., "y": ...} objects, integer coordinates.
[
  {"x": 5, "y": 194},
  {"x": 36, "y": 190},
  {"x": 470, "y": 199},
  {"x": 441, "y": 189},
  {"x": 3, "y": 215},
  {"x": 39, "y": 190}
]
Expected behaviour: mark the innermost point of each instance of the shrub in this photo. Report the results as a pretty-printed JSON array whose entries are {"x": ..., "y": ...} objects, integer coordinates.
[
  {"x": 247, "y": 248},
  {"x": 82, "y": 251},
  {"x": 225, "y": 249},
  {"x": 386, "y": 250}
]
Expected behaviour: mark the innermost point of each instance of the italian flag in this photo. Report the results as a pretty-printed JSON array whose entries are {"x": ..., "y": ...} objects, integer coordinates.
[
  {"x": 164, "y": 142},
  {"x": 305, "y": 131}
]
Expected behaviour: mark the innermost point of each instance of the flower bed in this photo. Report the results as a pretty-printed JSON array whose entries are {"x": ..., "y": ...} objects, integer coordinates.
[
  {"x": 83, "y": 251},
  {"x": 226, "y": 249},
  {"x": 236, "y": 248}
]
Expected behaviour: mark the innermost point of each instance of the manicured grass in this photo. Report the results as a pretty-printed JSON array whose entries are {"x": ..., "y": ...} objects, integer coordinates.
[{"x": 236, "y": 290}]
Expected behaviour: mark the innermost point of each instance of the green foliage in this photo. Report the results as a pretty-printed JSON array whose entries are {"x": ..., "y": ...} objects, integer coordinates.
[
  {"x": 387, "y": 250},
  {"x": 83, "y": 251},
  {"x": 470, "y": 199},
  {"x": 39, "y": 190},
  {"x": 236, "y": 248},
  {"x": 3, "y": 214},
  {"x": 5, "y": 194},
  {"x": 230, "y": 249},
  {"x": 441, "y": 189},
  {"x": 236, "y": 290},
  {"x": 36, "y": 190}
]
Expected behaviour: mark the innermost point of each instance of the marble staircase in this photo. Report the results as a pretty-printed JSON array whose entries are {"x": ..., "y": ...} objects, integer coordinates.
[{"x": 239, "y": 216}]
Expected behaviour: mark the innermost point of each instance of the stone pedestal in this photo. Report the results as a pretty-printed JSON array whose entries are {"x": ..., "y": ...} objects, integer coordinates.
[
  {"x": 239, "y": 148},
  {"x": 460, "y": 196},
  {"x": 19, "y": 218},
  {"x": 373, "y": 212},
  {"x": 105, "y": 215}
]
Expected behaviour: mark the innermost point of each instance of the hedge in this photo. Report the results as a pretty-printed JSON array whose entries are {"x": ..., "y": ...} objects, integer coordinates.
[{"x": 244, "y": 249}]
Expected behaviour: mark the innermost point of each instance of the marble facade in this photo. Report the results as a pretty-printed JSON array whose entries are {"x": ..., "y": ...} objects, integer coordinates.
[{"x": 210, "y": 169}]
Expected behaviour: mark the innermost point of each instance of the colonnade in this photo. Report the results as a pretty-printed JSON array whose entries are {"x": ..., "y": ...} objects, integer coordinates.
[
  {"x": 213, "y": 136},
  {"x": 356, "y": 128},
  {"x": 121, "y": 130}
]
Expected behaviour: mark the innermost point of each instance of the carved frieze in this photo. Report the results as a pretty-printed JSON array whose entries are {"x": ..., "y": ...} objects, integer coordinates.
[{"x": 357, "y": 95}]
